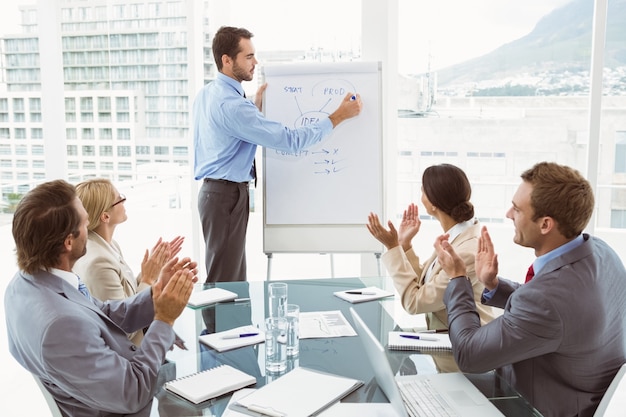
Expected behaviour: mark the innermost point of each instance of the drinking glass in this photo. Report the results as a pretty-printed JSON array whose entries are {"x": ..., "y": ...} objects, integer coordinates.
[
  {"x": 275, "y": 344},
  {"x": 277, "y": 299},
  {"x": 293, "y": 335}
]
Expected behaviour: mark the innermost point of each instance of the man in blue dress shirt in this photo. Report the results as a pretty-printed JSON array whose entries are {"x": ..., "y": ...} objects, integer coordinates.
[{"x": 227, "y": 129}]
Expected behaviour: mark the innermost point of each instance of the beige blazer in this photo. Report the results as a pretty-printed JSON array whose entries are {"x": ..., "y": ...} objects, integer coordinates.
[
  {"x": 107, "y": 275},
  {"x": 421, "y": 296}
]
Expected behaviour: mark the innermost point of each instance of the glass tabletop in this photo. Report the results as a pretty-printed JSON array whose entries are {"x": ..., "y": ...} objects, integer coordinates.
[{"x": 338, "y": 355}]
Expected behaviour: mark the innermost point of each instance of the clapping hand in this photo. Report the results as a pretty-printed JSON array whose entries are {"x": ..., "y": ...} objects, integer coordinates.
[
  {"x": 486, "y": 261},
  {"x": 389, "y": 238},
  {"x": 449, "y": 260},
  {"x": 409, "y": 226}
]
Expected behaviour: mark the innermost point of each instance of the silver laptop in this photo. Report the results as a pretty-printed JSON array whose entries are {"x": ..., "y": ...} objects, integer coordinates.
[{"x": 444, "y": 394}]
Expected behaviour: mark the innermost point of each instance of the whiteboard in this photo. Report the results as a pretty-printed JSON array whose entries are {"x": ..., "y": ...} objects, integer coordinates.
[{"x": 322, "y": 196}]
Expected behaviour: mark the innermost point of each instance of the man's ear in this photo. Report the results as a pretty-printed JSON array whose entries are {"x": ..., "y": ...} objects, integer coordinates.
[
  {"x": 68, "y": 242},
  {"x": 547, "y": 225}
]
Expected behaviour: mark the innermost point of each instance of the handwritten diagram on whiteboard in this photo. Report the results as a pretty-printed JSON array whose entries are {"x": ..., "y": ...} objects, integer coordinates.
[{"x": 339, "y": 180}]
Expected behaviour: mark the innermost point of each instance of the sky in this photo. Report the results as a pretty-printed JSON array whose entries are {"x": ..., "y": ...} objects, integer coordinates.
[{"x": 440, "y": 32}]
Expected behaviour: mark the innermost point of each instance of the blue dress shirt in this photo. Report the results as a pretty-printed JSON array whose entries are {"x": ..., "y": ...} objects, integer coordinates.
[
  {"x": 228, "y": 127},
  {"x": 542, "y": 260}
]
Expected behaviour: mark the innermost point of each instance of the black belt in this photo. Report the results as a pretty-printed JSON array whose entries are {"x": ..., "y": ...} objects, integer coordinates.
[{"x": 224, "y": 181}]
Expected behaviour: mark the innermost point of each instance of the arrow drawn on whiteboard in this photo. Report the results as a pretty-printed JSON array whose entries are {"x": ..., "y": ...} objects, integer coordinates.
[
  {"x": 327, "y": 161},
  {"x": 322, "y": 151},
  {"x": 328, "y": 171}
]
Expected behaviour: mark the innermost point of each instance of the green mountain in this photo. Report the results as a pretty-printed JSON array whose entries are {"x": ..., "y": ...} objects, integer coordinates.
[{"x": 561, "y": 41}]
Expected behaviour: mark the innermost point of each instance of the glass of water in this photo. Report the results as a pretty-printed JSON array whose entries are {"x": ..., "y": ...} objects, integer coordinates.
[
  {"x": 293, "y": 335},
  {"x": 277, "y": 299},
  {"x": 275, "y": 344}
]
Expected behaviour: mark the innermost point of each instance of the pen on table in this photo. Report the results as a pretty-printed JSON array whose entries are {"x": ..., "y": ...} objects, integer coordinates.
[
  {"x": 237, "y": 300},
  {"x": 361, "y": 292},
  {"x": 418, "y": 337},
  {"x": 434, "y": 331},
  {"x": 237, "y": 336}
]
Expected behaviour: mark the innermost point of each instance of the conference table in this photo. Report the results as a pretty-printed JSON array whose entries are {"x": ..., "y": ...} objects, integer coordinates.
[{"x": 337, "y": 355}]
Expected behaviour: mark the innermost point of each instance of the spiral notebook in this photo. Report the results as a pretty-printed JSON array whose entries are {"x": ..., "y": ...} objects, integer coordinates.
[
  {"x": 419, "y": 341},
  {"x": 210, "y": 383}
]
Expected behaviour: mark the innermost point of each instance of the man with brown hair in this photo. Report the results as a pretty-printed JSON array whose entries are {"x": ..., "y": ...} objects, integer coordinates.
[
  {"x": 75, "y": 344},
  {"x": 227, "y": 128},
  {"x": 561, "y": 338}
]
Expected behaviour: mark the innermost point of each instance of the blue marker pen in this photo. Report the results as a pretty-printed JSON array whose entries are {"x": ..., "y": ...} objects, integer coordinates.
[{"x": 352, "y": 98}]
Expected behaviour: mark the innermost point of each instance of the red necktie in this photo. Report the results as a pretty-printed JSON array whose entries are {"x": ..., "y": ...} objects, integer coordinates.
[{"x": 530, "y": 274}]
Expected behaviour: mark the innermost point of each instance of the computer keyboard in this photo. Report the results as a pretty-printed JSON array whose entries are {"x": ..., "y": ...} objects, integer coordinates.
[{"x": 422, "y": 400}]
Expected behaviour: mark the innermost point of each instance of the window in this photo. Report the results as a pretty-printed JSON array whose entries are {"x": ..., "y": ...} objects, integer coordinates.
[
  {"x": 5, "y": 133},
  {"x": 87, "y": 133},
  {"x": 5, "y": 149},
  {"x": 21, "y": 163},
  {"x": 161, "y": 150},
  {"x": 72, "y": 164},
  {"x": 180, "y": 150},
  {"x": 620, "y": 152},
  {"x": 106, "y": 150},
  {"x": 21, "y": 150},
  {"x": 122, "y": 103},
  {"x": 124, "y": 166},
  {"x": 107, "y": 166},
  {"x": 89, "y": 165},
  {"x": 86, "y": 104},
  {"x": 20, "y": 133},
  {"x": 88, "y": 150},
  {"x": 72, "y": 150},
  {"x": 123, "y": 134},
  {"x": 123, "y": 151},
  {"x": 36, "y": 133},
  {"x": 106, "y": 133},
  {"x": 70, "y": 133},
  {"x": 37, "y": 149},
  {"x": 70, "y": 104},
  {"x": 6, "y": 163}
]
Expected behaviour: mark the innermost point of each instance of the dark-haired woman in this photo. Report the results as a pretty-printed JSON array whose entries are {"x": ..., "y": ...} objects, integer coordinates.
[{"x": 446, "y": 193}]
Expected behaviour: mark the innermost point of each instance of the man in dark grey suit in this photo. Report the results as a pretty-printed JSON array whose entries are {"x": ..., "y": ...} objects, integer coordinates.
[
  {"x": 75, "y": 344},
  {"x": 561, "y": 338}
]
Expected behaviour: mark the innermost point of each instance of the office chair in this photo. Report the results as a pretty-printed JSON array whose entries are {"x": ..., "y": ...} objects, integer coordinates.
[
  {"x": 52, "y": 404},
  {"x": 614, "y": 401}
]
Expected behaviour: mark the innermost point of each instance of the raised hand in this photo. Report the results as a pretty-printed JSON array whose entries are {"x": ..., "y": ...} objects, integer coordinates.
[
  {"x": 486, "y": 261},
  {"x": 409, "y": 226},
  {"x": 175, "y": 245},
  {"x": 449, "y": 260},
  {"x": 155, "y": 260},
  {"x": 389, "y": 238},
  {"x": 171, "y": 298}
]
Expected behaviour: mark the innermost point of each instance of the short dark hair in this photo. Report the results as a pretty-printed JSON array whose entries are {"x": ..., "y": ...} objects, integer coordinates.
[
  {"x": 562, "y": 193},
  {"x": 43, "y": 219},
  {"x": 448, "y": 189},
  {"x": 226, "y": 42}
]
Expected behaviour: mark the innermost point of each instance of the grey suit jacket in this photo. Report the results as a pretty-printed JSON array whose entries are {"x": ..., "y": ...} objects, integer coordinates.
[
  {"x": 80, "y": 350},
  {"x": 561, "y": 338},
  {"x": 107, "y": 275}
]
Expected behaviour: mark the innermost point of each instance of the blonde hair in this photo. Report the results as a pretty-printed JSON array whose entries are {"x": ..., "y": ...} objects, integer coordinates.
[{"x": 97, "y": 196}]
